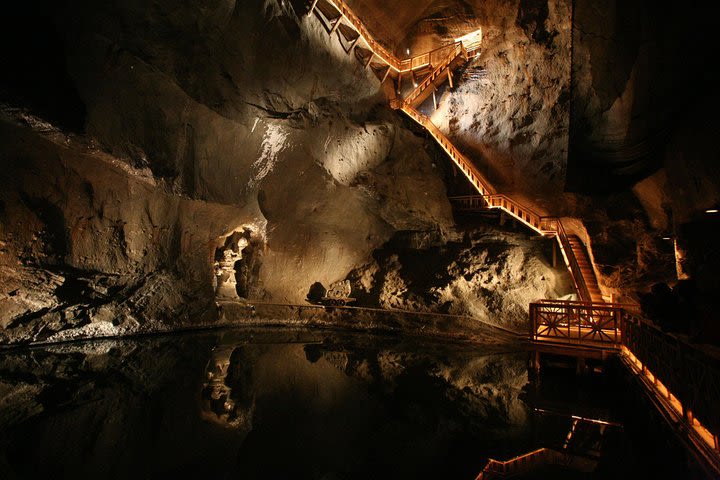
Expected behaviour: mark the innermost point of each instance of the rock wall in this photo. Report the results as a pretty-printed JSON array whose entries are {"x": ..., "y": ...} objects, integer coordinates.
[
  {"x": 228, "y": 148},
  {"x": 243, "y": 119}
]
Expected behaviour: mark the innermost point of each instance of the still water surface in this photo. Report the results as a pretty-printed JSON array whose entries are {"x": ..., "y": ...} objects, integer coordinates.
[{"x": 293, "y": 404}]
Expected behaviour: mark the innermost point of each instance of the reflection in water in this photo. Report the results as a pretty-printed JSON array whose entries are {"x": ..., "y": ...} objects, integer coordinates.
[{"x": 268, "y": 404}]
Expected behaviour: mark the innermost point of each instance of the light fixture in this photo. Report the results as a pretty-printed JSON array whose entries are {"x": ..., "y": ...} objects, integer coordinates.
[
  {"x": 667, "y": 238},
  {"x": 407, "y": 50},
  {"x": 712, "y": 210}
]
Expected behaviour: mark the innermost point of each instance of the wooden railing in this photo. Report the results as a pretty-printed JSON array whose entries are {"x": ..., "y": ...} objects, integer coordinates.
[
  {"x": 572, "y": 263},
  {"x": 456, "y": 50},
  {"x": 691, "y": 374},
  {"x": 520, "y": 464},
  {"x": 423, "y": 60},
  {"x": 463, "y": 163},
  {"x": 581, "y": 323}
]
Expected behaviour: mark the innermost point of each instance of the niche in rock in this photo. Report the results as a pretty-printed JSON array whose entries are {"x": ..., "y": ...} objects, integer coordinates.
[
  {"x": 237, "y": 265},
  {"x": 247, "y": 269}
]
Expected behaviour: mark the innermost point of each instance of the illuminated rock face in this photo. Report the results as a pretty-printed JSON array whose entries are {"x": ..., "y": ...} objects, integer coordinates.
[
  {"x": 211, "y": 118},
  {"x": 490, "y": 273}
]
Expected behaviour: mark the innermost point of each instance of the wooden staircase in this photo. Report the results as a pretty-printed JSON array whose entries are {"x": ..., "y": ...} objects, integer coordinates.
[
  {"x": 437, "y": 67},
  {"x": 442, "y": 72},
  {"x": 586, "y": 269}
]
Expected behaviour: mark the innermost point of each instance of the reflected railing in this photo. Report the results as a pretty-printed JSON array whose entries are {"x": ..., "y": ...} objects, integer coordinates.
[{"x": 521, "y": 464}]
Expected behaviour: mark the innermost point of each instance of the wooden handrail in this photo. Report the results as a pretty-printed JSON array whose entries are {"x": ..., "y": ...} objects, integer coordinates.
[
  {"x": 520, "y": 464},
  {"x": 577, "y": 275},
  {"x": 400, "y": 66},
  {"x": 682, "y": 379},
  {"x": 581, "y": 323},
  {"x": 456, "y": 51},
  {"x": 469, "y": 170}
]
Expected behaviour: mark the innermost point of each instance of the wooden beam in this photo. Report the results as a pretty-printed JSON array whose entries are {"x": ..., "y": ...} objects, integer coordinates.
[
  {"x": 450, "y": 77},
  {"x": 434, "y": 100},
  {"x": 399, "y": 88},
  {"x": 354, "y": 42},
  {"x": 337, "y": 24},
  {"x": 370, "y": 59},
  {"x": 312, "y": 7},
  {"x": 387, "y": 72}
]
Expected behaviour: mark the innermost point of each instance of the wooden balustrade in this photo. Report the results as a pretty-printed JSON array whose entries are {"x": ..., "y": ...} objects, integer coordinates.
[
  {"x": 689, "y": 373},
  {"x": 417, "y": 62},
  {"x": 572, "y": 263},
  {"x": 456, "y": 50},
  {"x": 581, "y": 323},
  {"x": 468, "y": 169}
]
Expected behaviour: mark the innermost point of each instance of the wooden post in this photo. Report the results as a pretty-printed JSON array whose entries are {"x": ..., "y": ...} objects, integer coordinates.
[
  {"x": 370, "y": 59},
  {"x": 450, "y": 77},
  {"x": 687, "y": 413},
  {"x": 399, "y": 89},
  {"x": 554, "y": 254},
  {"x": 337, "y": 24},
  {"x": 387, "y": 72},
  {"x": 434, "y": 100},
  {"x": 580, "y": 368},
  {"x": 354, "y": 42},
  {"x": 312, "y": 7},
  {"x": 412, "y": 77},
  {"x": 502, "y": 218}
]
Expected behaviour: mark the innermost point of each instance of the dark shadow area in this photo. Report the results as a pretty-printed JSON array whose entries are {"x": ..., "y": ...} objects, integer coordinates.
[{"x": 33, "y": 62}]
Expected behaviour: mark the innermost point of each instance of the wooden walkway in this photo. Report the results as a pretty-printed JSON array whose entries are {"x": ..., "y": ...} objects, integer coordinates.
[{"x": 682, "y": 380}]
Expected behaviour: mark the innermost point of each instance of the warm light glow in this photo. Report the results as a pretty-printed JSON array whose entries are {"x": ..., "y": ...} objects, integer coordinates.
[
  {"x": 472, "y": 37},
  {"x": 712, "y": 210},
  {"x": 407, "y": 51},
  {"x": 662, "y": 391},
  {"x": 704, "y": 433}
]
